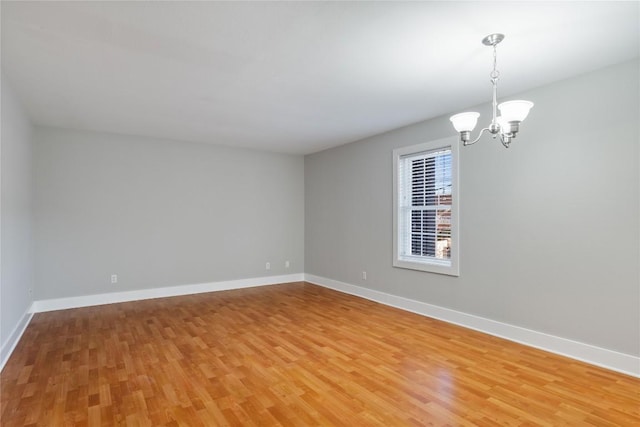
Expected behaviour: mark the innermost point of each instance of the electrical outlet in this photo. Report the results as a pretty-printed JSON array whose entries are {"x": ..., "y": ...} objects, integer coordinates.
[
  {"x": 287, "y": 264},
  {"x": 114, "y": 278},
  {"x": 364, "y": 275},
  {"x": 267, "y": 266}
]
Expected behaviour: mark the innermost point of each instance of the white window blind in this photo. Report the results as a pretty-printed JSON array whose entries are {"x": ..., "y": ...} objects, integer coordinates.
[{"x": 425, "y": 198}]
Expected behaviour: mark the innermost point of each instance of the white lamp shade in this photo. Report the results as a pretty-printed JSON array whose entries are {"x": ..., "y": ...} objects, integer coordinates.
[
  {"x": 514, "y": 111},
  {"x": 504, "y": 125},
  {"x": 464, "y": 122}
]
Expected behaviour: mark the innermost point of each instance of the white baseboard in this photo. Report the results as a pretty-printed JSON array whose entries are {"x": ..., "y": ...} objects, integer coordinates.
[
  {"x": 10, "y": 343},
  {"x": 613, "y": 360},
  {"x": 171, "y": 291}
]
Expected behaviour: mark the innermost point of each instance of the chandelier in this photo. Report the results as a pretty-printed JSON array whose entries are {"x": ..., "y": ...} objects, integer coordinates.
[{"x": 505, "y": 126}]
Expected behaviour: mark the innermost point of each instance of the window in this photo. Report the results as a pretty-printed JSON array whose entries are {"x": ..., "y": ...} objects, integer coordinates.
[{"x": 425, "y": 207}]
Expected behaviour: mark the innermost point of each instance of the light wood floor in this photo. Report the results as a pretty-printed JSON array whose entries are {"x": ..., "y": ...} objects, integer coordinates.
[{"x": 293, "y": 354}]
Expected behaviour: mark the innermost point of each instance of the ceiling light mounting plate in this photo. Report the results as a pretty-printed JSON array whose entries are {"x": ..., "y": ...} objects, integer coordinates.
[{"x": 492, "y": 39}]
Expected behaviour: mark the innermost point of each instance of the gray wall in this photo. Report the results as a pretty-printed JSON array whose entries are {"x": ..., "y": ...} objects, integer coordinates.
[
  {"x": 15, "y": 214},
  {"x": 549, "y": 228},
  {"x": 160, "y": 213}
]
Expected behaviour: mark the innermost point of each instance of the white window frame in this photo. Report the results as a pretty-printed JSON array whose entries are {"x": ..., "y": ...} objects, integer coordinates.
[{"x": 413, "y": 262}]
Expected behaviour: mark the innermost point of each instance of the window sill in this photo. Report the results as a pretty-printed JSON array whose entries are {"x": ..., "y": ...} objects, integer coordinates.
[{"x": 449, "y": 270}]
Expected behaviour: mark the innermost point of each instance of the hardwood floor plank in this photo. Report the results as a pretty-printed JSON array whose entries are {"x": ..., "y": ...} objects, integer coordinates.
[{"x": 292, "y": 355}]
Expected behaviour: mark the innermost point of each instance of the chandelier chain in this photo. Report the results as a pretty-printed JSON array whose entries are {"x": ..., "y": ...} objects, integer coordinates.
[{"x": 495, "y": 73}]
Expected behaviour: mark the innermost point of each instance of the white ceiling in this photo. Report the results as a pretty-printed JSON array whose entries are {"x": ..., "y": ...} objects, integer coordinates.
[{"x": 293, "y": 77}]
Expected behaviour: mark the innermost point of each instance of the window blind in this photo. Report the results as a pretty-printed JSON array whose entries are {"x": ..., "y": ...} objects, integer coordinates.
[{"x": 425, "y": 198}]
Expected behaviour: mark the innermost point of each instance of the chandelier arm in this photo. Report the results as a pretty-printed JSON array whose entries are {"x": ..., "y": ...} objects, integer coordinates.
[{"x": 466, "y": 143}]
